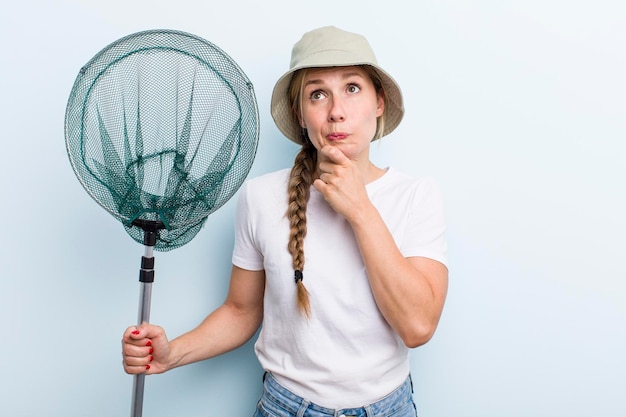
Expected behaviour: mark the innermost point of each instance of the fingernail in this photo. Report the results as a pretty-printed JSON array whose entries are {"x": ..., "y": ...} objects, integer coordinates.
[
  {"x": 147, "y": 367},
  {"x": 149, "y": 343},
  {"x": 151, "y": 350},
  {"x": 135, "y": 332},
  {"x": 151, "y": 358}
]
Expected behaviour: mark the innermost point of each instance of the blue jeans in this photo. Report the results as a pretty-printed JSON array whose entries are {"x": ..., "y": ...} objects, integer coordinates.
[{"x": 277, "y": 401}]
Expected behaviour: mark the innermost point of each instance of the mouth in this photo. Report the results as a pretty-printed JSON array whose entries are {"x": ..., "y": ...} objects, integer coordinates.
[{"x": 335, "y": 136}]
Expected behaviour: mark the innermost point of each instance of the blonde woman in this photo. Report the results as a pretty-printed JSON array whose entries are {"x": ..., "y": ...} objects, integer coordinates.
[{"x": 343, "y": 263}]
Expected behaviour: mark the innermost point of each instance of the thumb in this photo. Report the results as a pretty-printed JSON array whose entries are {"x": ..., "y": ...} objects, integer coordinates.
[{"x": 145, "y": 331}]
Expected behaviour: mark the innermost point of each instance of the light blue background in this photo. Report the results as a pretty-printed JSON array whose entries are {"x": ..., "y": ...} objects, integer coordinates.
[{"x": 517, "y": 108}]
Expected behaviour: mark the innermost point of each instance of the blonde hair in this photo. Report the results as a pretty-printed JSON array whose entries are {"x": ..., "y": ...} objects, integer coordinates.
[{"x": 301, "y": 179}]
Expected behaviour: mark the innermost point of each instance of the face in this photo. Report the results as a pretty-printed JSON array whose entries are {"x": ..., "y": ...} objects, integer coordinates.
[{"x": 339, "y": 107}]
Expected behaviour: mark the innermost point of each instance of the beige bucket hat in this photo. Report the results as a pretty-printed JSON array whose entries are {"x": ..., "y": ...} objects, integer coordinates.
[{"x": 331, "y": 47}]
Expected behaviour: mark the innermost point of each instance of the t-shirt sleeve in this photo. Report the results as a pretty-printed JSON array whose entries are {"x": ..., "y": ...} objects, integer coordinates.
[
  {"x": 246, "y": 254},
  {"x": 426, "y": 225}
]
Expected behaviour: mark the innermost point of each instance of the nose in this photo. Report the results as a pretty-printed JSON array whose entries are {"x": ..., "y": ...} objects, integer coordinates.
[{"x": 336, "y": 112}]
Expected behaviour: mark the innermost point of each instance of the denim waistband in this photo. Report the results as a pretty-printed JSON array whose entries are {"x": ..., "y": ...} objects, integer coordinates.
[{"x": 400, "y": 398}]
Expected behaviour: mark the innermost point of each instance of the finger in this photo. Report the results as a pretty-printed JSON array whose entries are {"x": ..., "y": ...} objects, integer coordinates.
[
  {"x": 138, "y": 351},
  {"x": 321, "y": 186},
  {"x": 137, "y": 332},
  {"x": 143, "y": 332},
  {"x": 133, "y": 336},
  {"x": 133, "y": 366},
  {"x": 335, "y": 155},
  {"x": 329, "y": 170},
  {"x": 136, "y": 359},
  {"x": 150, "y": 331},
  {"x": 326, "y": 177},
  {"x": 325, "y": 168},
  {"x": 131, "y": 332}
]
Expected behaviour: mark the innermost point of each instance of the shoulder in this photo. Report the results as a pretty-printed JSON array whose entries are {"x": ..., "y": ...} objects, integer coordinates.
[
  {"x": 271, "y": 179},
  {"x": 269, "y": 186},
  {"x": 400, "y": 182}
]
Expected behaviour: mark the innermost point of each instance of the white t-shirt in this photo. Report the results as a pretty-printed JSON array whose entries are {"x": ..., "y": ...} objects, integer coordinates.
[{"x": 345, "y": 355}]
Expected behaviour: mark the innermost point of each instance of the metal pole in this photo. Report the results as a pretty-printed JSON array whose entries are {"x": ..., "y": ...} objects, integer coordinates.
[{"x": 146, "y": 278}]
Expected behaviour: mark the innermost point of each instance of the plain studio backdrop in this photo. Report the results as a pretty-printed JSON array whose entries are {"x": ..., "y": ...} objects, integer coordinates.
[{"x": 516, "y": 108}]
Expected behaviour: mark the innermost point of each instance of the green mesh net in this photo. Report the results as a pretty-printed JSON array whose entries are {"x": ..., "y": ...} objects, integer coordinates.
[{"x": 161, "y": 129}]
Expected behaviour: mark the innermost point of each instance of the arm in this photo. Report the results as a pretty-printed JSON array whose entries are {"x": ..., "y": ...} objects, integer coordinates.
[
  {"x": 146, "y": 348},
  {"x": 409, "y": 292}
]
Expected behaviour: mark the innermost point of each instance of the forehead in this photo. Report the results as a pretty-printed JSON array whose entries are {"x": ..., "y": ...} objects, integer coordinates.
[{"x": 318, "y": 74}]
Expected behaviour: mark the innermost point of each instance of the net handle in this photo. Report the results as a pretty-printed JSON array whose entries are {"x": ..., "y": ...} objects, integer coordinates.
[{"x": 146, "y": 279}]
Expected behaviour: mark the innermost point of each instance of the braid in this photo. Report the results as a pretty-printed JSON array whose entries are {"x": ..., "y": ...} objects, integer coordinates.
[{"x": 298, "y": 192}]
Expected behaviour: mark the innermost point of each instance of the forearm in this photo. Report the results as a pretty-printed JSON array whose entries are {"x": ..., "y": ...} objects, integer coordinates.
[
  {"x": 225, "y": 329},
  {"x": 409, "y": 292}
]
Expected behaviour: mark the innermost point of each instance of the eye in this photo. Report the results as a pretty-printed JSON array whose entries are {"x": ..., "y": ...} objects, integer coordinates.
[
  {"x": 353, "y": 88},
  {"x": 316, "y": 95}
]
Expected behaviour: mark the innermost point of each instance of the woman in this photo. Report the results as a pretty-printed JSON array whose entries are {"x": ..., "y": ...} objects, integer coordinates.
[{"x": 365, "y": 247}]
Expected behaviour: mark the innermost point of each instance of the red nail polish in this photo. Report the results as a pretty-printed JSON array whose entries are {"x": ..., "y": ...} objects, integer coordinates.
[
  {"x": 151, "y": 358},
  {"x": 151, "y": 350},
  {"x": 149, "y": 343},
  {"x": 147, "y": 367},
  {"x": 135, "y": 332}
]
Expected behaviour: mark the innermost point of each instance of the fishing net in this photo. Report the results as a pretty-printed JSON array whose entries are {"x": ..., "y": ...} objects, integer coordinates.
[{"x": 161, "y": 130}]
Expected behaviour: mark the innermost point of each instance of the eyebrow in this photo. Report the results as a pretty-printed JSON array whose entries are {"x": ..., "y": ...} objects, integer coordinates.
[{"x": 344, "y": 76}]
